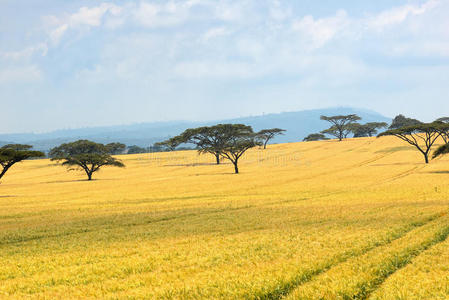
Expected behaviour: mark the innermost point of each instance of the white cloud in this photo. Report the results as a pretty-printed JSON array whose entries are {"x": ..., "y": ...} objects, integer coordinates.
[
  {"x": 56, "y": 34},
  {"x": 247, "y": 42},
  {"x": 214, "y": 69},
  {"x": 321, "y": 31},
  {"x": 248, "y": 52},
  {"x": 163, "y": 15},
  {"x": 23, "y": 74},
  {"x": 216, "y": 32},
  {"x": 93, "y": 16},
  {"x": 279, "y": 12},
  {"x": 26, "y": 53},
  {"x": 399, "y": 14},
  {"x": 85, "y": 17}
]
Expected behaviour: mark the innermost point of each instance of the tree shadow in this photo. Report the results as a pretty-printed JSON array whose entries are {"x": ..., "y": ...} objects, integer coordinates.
[
  {"x": 398, "y": 164},
  {"x": 66, "y": 181},
  {"x": 396, "y": 149},
  {"x": 213, "y": 174},
  {"x": 438, "y": 172},
  {"x": 78, "y": 180},
  {"x": 195, "y": 164}
]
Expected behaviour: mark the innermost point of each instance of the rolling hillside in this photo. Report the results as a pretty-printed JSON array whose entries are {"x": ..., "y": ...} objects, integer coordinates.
[
  {"x": 359, "y": 219},
  {"x": 298, "y": 124}
]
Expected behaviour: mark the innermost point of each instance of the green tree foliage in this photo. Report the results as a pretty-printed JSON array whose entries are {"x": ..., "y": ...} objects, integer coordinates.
[
  {"x": 401, "y": 121},
  {"x": 341, "y": 125},
  {"x": 422, "y": 136},
  {"x": 315, "y": 137},
  {"x": 134, "y": 149},
  {"x": 358, "y": 130},
  {"x": 116, "y": 148},
  {"x": 208, "y": 139},
  {"x": 443, "y": 120},
  {"x": 267, "y": 134},
  {"x": 171, "y": 144},
  {"x": 444, "y": 128},
  {"x": 369, "y": 129},
  {"x": 238, "y": 138},
  {"x": 17, "y": 147},
  {"x": 86, "y": 155},
  {"x": 444, "y": 149},
  {"x": 229, "y": 141},
  {"x": 13, "y": 153}
]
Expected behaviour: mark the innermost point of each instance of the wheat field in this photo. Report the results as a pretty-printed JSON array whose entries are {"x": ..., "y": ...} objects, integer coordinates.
[{"x": 359, "y": 219}]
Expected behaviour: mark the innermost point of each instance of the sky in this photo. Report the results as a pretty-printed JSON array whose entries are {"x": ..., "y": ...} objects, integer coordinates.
[{"x": 82, "y": 63}]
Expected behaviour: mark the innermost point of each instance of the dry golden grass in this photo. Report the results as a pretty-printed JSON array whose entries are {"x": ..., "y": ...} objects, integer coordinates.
[{"x": 333, "y": 220}]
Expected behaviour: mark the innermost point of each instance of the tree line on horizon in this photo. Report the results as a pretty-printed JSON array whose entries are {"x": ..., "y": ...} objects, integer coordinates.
[
  {"x": 227, "y": 141},
  {"x": 231, "y": 141},
  {"x": 344, "y": 125},
  {"x": 418, "y": 134}
]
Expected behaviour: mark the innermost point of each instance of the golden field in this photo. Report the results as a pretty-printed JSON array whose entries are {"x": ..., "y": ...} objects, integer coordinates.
[{"x": 359, "y": 219}]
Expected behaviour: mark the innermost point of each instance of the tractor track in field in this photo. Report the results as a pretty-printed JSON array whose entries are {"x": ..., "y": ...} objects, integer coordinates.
[
  {"x": 283, "y": 290},
  {"x": 14, "y": 239},
  {"x": 366, "y": 162},
  {"x": 403, "y": 174},
  {"x": 397, "y": 262},
  {"x": 338, "y": 170}
]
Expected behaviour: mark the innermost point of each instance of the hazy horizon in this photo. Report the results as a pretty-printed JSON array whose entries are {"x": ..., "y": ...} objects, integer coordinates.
[
  {"x": 197, "y": 120},
  {"x": 82, "y": 64}
]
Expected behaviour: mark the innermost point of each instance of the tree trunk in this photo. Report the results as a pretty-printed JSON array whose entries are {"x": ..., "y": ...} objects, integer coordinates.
[
  {"x": 265, "y": 144},
  {"x": 426, "y": 158},
  {"x": 3, "y": 171},
  {"x": 89, "y": 175},
  {"x": 236, "y": 168},
  {"x": 217, "y": 156}
]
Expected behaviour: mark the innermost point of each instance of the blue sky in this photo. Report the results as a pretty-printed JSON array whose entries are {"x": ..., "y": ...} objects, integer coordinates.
[{"x": 68, "y": 64}]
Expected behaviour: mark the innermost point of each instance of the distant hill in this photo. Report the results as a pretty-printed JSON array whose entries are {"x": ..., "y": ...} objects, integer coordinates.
[{"x": 298, "y": 125}]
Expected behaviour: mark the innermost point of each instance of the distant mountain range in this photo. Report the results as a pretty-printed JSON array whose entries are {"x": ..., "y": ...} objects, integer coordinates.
[{"x": 298, "y": 125}]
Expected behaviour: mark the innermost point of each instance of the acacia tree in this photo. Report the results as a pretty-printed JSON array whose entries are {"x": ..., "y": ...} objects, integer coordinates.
[
  {"x": 134, "y": 149},
  {"x": 422, "y": 136},
  {"x": 340, "y": 125},
  {"x": 368, "y": 129},
  {"x": 441, "y": 150},
  {"x": 443, "y": 120},
  {"x": 86, "y": 155},
  {"x": 401, "y": 121},
  {"x": 171, "y": 144},
  {"x": 13, "y": 153},
  {"x": 315, "y": 137},
  {"x": 444, "y": 128},
  {"x": 238, "y": 138},
  {"x": 358, "y": 130},
  {"x": 116, "y": 148},
  {"x": 267, "y": 134},
  {"x": 208, "y": 139}
]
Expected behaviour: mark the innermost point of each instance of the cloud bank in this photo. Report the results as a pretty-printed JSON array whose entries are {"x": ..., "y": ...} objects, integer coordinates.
[{"x": 158, "y": 60}]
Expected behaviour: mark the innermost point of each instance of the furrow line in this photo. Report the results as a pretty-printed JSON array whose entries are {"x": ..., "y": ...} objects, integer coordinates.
[
  {"x": 395, "y": 263},
  {"x": 285, "y": 288}
]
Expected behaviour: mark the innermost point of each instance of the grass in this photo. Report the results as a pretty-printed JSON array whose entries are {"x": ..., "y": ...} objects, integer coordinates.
[{"x": 330, "y": 220}]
